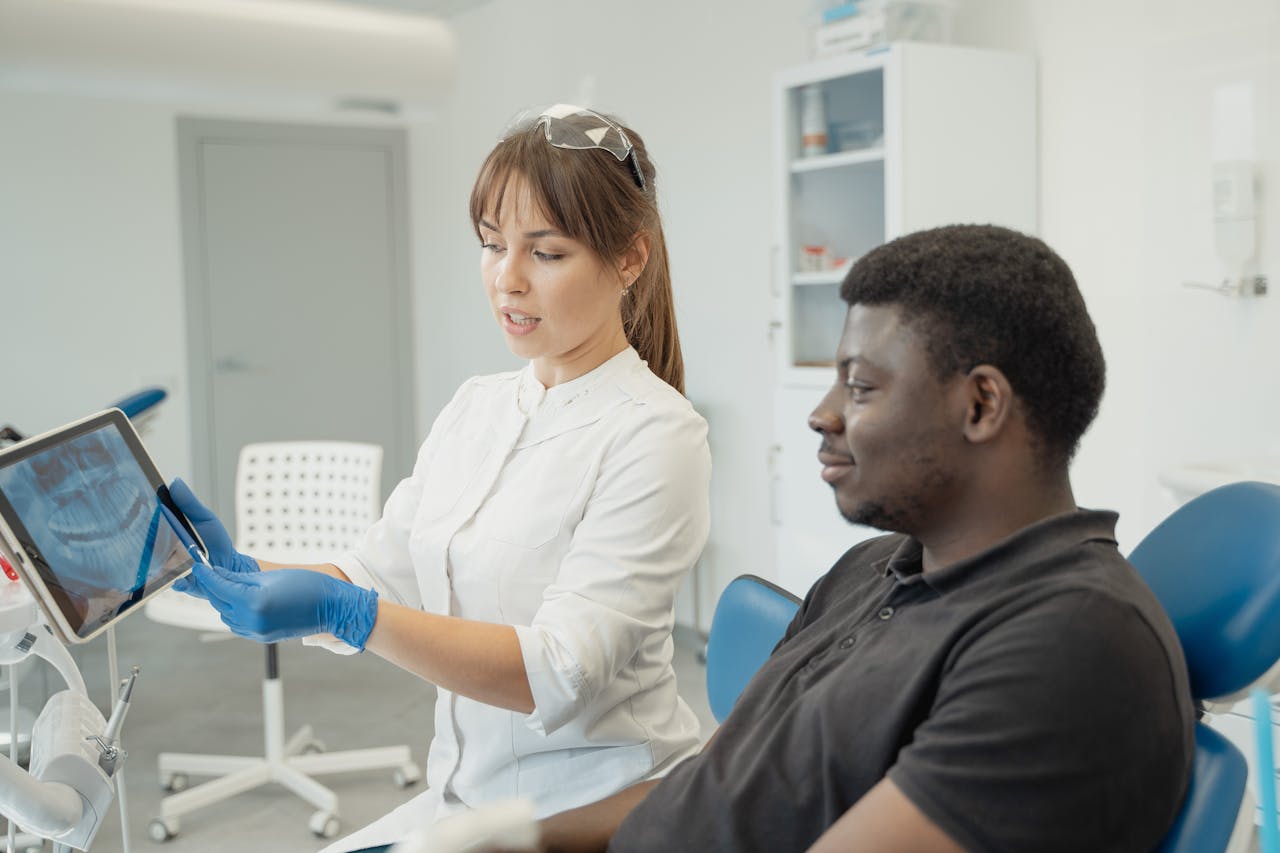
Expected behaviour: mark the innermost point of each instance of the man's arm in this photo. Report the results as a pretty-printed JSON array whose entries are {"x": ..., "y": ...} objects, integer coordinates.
[
  {"x": 885, "y": 821},
  {"x": 587, "y": 829}
]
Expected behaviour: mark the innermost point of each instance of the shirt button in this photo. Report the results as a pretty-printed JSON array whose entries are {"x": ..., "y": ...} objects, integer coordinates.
[
  {"x": 846, "y": 643},
  {"x": 885, "y": 613}
]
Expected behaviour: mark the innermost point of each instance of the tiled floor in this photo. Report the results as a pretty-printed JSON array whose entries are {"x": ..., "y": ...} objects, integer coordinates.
[{"x": 195, "y": 696}]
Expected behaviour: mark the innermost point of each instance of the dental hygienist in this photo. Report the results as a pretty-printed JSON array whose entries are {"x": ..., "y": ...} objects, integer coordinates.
[{"x": 529, "y": 564}]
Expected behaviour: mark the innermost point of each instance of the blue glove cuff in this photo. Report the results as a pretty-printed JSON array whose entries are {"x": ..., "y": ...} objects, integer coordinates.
[{"x": 352, "y": 615}]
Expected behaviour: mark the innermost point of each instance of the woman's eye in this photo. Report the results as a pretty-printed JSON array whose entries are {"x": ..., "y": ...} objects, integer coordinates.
[{"x": 547, "y": 256}]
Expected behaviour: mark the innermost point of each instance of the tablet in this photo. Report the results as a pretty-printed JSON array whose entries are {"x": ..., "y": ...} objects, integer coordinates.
[{"x": 89, "y": 523}]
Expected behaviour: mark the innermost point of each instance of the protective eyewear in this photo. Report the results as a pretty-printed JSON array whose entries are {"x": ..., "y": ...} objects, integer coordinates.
[{"x": 578, "y": 128}]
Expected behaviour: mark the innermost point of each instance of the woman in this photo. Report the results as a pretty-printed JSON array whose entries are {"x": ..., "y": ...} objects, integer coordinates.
[{"x": 528, "y": 567}]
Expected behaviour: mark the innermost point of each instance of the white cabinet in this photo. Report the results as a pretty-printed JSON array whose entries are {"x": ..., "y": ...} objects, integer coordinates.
[{"x": 919, "y": 135}]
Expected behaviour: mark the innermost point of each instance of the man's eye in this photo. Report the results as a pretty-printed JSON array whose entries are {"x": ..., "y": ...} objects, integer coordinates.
[{"x": 491, "y": 247}]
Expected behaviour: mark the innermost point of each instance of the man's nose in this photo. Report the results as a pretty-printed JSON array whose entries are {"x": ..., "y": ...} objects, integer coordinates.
[{"x": 826, "y": 418}]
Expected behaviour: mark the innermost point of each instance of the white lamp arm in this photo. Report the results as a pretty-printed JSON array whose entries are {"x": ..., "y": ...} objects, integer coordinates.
[{"x": 48, "y": 809}]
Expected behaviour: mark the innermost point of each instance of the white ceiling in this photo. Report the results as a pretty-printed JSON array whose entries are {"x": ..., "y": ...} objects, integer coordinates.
[{"x": 434, "y": 8}]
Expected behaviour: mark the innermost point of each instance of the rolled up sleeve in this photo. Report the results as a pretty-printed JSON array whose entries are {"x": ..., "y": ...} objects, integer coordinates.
[{"x": 644, "y": 527}]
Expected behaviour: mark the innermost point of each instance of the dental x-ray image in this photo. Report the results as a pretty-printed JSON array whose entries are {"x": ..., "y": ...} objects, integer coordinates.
[{"x": 96, "y": 524}]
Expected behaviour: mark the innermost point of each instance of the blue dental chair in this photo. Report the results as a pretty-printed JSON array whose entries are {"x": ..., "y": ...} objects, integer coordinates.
[
  {"x": 1215, "y": 566},
  {"x": 751, "y": 617}
]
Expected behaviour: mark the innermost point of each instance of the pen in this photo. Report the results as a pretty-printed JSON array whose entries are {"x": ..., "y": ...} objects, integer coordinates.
[
  {"x": 193, "y": 550},
  {"x": 197, "y": 555}
]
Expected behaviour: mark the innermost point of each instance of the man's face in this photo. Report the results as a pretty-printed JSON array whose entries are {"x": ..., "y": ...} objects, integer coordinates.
[{"x": 892, "y": 433}]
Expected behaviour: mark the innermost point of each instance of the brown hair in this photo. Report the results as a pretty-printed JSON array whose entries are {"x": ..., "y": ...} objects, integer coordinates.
[{"x": 594, "y": 198}]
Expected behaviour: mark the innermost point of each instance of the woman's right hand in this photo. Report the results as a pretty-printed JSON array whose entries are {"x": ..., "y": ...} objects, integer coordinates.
[{"x": 217, "y": 540}]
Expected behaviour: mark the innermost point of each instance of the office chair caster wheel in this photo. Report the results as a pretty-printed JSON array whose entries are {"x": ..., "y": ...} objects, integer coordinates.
[
  {"x": 407, "y": 775},
  {"x": 161, "y": 830},
  {"x": 324, "y": 825},
  {"x": 175, "y": 782}
]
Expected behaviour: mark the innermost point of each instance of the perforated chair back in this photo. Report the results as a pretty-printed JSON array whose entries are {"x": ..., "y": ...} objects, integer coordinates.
[
  {"x": 306, "y": 501},
  {"x": 751, "y": 617},
  {"x": 1215, "y": 566}
]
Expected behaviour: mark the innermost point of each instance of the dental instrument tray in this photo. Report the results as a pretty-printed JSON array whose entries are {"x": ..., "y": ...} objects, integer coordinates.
[{"x": 89, "y": 523}]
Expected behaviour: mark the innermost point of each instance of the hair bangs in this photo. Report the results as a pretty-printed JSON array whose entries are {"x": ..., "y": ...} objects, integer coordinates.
[{"x": 562, "y": 185}]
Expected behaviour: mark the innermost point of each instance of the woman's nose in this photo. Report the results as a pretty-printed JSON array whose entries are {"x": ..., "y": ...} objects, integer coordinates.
[{"x": 511, "y": 277}]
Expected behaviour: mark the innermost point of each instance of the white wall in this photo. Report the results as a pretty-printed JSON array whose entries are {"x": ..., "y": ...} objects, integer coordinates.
[
  {"x": 694, "y": 80},
  {"x": 1124, "y": 125},
  {"x": 90, "y": 262},
  {"x": 91, "y": 289},
  {"x": 91, "y": 292},
  {"x": 1126, "y": 130},
  {"x": 1210, "y": 368}
]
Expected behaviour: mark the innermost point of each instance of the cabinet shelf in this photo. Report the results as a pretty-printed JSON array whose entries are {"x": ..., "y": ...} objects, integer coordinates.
[
  {"x": 832, "y": 276},
  {"x": 839, "y": 159}
]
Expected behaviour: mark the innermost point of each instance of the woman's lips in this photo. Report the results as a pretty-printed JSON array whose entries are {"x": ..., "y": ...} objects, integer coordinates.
[{"x": 518, "y": 323}]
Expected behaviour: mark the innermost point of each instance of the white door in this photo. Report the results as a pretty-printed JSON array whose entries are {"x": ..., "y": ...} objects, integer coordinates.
[{"x": 295, "y": 243}]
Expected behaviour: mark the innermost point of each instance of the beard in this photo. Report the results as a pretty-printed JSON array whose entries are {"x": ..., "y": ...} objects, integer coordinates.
[{"x": 877, "y": 515}]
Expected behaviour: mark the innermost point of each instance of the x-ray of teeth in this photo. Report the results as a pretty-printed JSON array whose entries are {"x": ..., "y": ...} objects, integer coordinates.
[{"x": 94, "y": 518}]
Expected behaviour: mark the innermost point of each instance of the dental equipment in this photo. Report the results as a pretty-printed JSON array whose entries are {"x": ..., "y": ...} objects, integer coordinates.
[{"x": 75, "y": 753}]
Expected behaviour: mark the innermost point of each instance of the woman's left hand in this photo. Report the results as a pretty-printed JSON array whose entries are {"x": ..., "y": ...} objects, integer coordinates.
[{"x": 285, "y": 603}]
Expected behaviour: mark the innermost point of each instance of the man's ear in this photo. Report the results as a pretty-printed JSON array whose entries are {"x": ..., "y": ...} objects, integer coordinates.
[
  {"x": 990, "y": 403},
  {"x": 634, "y": 258}
]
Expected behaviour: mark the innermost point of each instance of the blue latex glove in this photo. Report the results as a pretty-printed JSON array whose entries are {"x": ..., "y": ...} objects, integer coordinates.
[
  {"x": 216, "y": 539},
  {"x": 284, "y": 603}
]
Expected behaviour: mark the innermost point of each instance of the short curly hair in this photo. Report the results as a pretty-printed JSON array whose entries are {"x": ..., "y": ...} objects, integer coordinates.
[{"x": 982, "y": 294}]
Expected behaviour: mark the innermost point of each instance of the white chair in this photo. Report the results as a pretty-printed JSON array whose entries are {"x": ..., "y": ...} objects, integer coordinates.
[{"x": 296, "y": 502}]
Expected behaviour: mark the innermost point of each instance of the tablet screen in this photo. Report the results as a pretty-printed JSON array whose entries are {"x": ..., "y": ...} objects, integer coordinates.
[{"x": 89, "y": 517}]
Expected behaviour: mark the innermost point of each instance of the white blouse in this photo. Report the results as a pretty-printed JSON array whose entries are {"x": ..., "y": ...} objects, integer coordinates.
[{"x": 571, "y": 513}]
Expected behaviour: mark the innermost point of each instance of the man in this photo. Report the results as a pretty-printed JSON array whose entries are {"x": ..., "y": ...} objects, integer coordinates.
[{"x": 992, "y": 676}]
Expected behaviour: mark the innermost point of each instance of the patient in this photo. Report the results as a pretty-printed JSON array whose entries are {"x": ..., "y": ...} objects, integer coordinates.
[{"x": 992, "y": 675}]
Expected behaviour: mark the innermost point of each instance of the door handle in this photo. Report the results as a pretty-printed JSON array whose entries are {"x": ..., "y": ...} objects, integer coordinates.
[{"x": 231, "y": 364}]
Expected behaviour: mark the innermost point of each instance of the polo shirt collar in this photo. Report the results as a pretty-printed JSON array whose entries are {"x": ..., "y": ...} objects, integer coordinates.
[{"x": 1019, "y": 552}]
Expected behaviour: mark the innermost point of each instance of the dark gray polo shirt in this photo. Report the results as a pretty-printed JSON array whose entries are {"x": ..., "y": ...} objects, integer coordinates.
[{"x": 1030, "y": 698}]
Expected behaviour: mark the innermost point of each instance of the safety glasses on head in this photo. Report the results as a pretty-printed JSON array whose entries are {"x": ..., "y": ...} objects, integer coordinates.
[{"x": 578, "y": 128}]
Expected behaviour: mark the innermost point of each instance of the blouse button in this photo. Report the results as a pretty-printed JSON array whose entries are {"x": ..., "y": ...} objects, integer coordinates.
[
  {"x": 885, "y": 613},
  {"x": 846, "y": 643}
]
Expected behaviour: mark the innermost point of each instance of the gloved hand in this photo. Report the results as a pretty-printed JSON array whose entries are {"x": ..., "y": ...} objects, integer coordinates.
[
  {"x": 216, "y": 539},
  {"x": 284, "y": 603}
]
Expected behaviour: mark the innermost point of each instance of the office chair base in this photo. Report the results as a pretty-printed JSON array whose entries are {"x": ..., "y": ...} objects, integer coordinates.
[{"x": 289, "y": 763}]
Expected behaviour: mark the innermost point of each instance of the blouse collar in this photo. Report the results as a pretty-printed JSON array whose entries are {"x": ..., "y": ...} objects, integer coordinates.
[{"x": 534, "y": 399}]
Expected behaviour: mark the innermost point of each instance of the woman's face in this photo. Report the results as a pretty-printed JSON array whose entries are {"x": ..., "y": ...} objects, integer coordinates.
[{"x": 556, "y": 302}]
